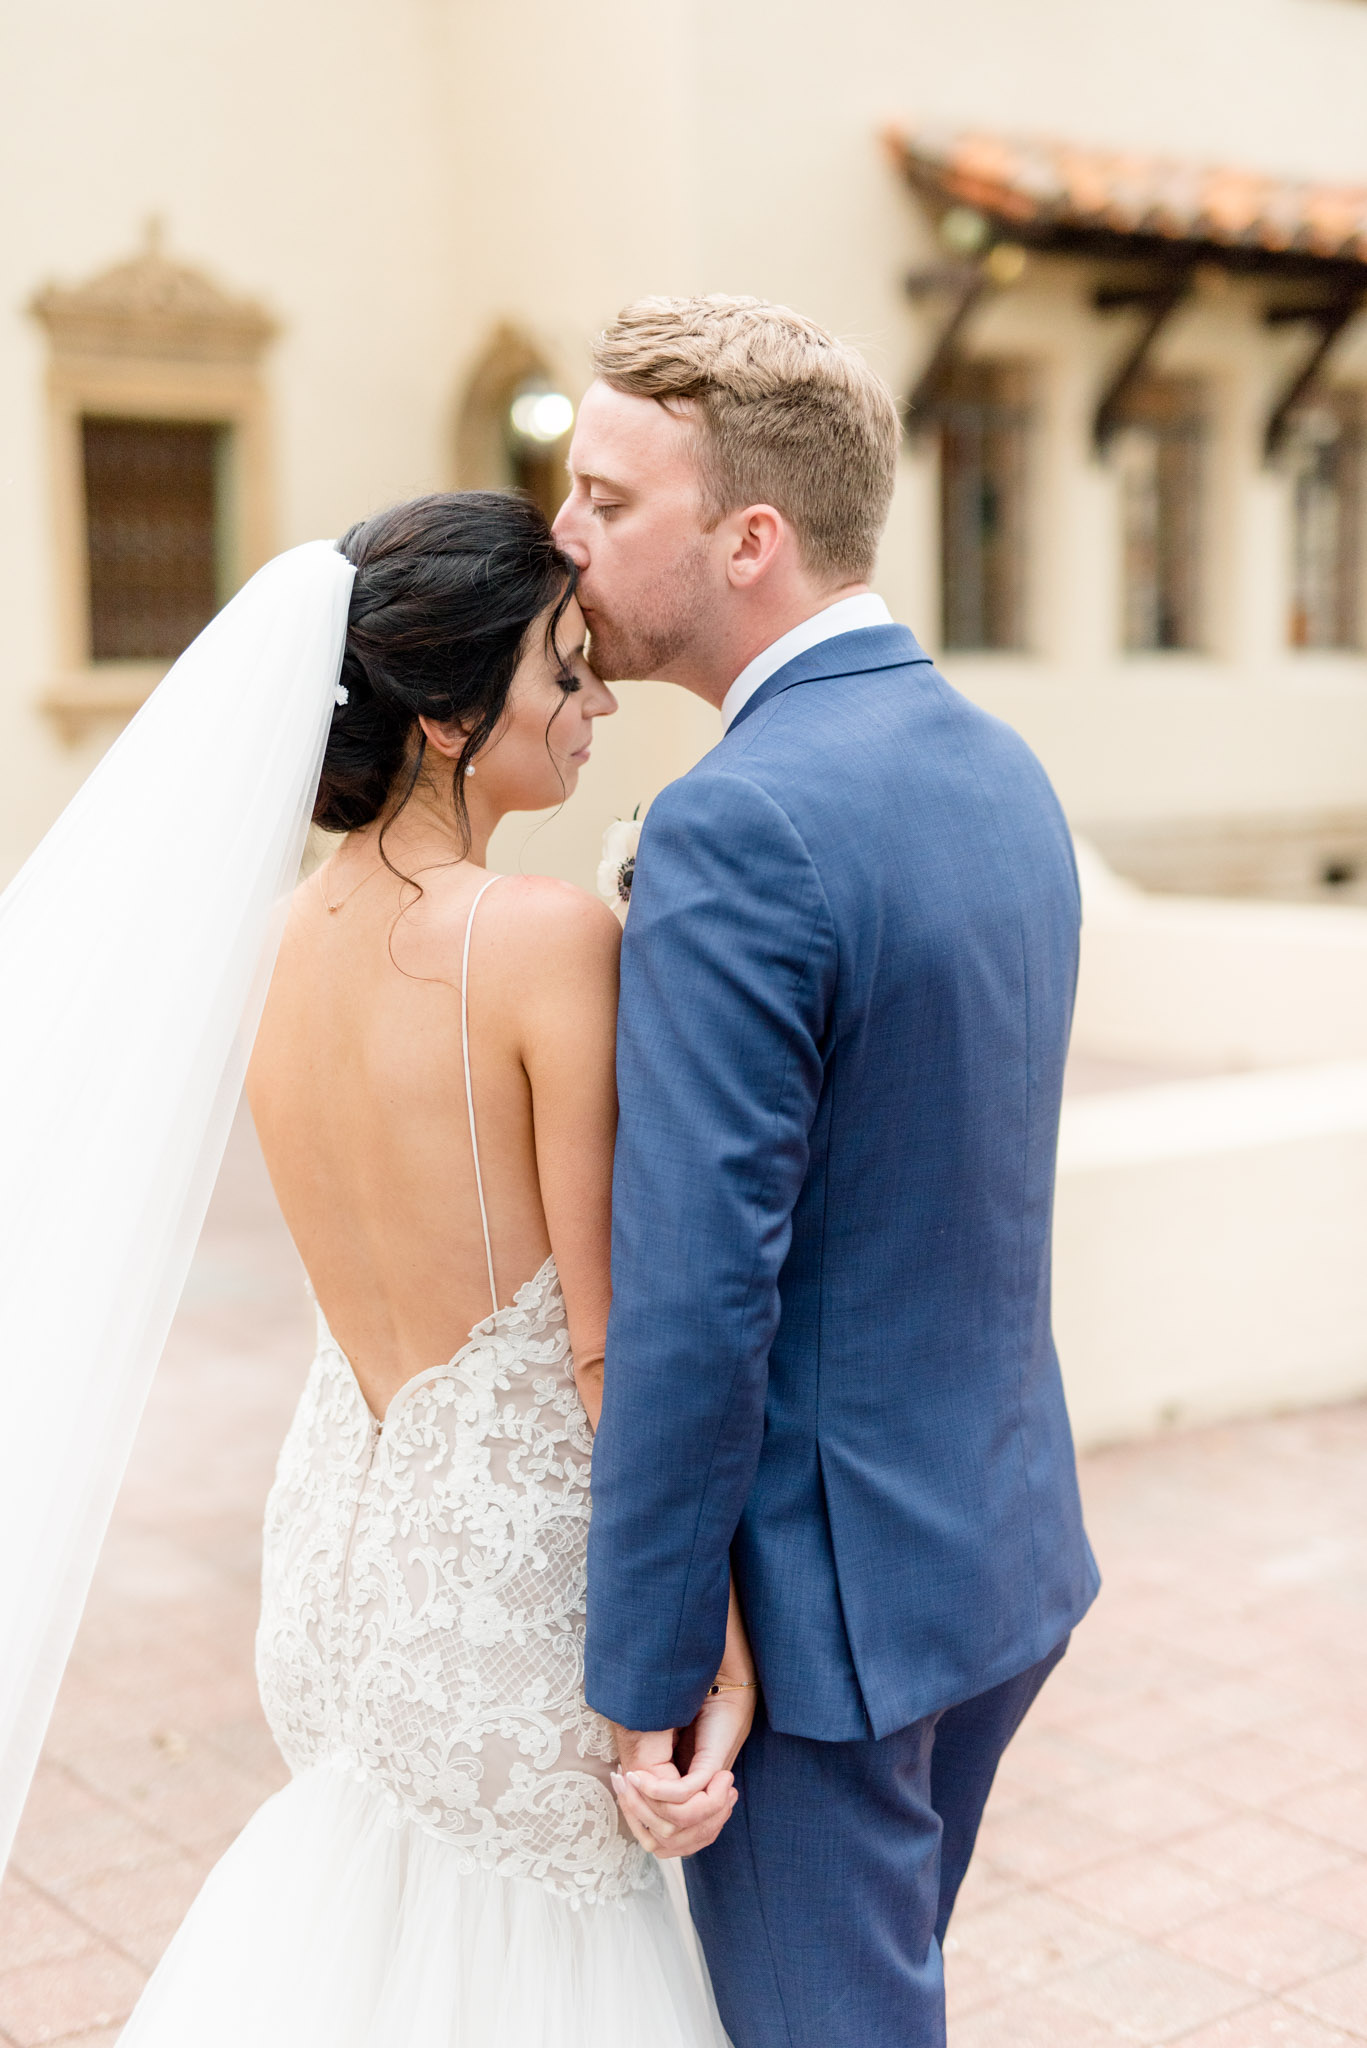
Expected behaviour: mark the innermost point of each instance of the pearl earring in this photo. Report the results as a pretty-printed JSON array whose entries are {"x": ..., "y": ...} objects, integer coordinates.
[{"x": 471, "y": 769}]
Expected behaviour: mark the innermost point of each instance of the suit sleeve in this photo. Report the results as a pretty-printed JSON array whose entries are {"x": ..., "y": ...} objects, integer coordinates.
[{"x": 728, "y": 970}]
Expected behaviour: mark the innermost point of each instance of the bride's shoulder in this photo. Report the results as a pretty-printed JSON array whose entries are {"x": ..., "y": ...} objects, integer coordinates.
[
  {"x": 550, "y": 957},
  {"x": 551, "y": 926}
]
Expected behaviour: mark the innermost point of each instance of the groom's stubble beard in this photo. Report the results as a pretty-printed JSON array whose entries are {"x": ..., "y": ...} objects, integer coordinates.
[{"x": 665, "y": 622}]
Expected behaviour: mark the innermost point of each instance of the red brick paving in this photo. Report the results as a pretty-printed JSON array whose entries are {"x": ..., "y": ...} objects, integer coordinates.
[{"x": 1176, "y": 1850}]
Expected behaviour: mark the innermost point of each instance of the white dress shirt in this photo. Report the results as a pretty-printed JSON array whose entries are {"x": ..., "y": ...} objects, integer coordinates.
[{"x": 846, "y": 615}]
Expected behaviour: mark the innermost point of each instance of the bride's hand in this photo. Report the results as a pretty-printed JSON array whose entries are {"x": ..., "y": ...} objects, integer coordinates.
[
  {"x": 685, "y": 1820},
  {"x": 675, "y": 1809}
]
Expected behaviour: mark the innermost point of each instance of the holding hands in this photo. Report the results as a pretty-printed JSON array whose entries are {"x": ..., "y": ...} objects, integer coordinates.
[{"x": 675, "y": 1786}]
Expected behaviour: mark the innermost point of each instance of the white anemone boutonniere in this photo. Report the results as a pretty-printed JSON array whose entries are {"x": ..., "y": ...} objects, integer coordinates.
[{"x": 617, "y": 868}]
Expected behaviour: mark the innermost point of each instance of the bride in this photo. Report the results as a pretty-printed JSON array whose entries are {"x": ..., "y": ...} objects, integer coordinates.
[{"x": 432, "y": 1083}]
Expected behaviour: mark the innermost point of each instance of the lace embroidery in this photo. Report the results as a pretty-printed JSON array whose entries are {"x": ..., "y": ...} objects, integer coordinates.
[{"x": 422, "y": 1621}]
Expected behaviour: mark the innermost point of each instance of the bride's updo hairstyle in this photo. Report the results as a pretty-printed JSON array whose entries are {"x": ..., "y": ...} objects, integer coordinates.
[{"x": 446, "y": 591}]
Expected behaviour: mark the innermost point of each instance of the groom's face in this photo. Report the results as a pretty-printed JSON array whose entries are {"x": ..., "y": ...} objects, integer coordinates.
[{"x": 633, "y": 523}]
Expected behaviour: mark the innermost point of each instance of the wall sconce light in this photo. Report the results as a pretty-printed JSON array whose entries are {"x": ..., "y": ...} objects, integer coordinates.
[{"x": 539, "y": 414}]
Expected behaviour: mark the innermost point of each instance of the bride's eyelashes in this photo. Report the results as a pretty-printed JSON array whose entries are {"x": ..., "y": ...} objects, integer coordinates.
[{"x": 567, "y": 676}]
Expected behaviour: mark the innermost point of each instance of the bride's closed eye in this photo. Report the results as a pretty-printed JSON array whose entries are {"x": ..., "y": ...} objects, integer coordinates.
[{"x": 567, "y": 676}]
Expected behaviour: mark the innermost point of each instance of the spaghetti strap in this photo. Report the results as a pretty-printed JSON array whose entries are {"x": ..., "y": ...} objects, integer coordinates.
[{"x": 469, "y": 1090}]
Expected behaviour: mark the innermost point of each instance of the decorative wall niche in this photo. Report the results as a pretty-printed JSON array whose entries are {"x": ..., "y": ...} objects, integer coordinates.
[
  {"x": 160, "y": 472},
  {"x": 513, "y": 423}
]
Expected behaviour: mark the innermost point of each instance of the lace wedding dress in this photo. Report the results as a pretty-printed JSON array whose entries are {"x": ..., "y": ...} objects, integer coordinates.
[{"x": 447, "y": 1867}]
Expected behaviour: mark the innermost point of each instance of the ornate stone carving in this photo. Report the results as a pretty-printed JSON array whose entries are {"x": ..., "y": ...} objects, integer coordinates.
[{"x": 151, "y": 307}]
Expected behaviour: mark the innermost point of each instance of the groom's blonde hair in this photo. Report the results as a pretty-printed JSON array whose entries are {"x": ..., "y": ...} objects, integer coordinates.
[{"x": 787, "y": 416}]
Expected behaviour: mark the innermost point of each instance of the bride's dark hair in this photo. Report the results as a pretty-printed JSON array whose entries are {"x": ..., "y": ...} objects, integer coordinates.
[{"x": 447, "y": 588}]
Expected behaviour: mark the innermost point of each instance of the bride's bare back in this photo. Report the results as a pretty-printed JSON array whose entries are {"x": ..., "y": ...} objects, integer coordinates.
[{"x": 357, "y": 1086}]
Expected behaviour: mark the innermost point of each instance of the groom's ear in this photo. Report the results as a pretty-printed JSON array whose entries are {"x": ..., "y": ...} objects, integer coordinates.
[{"x": 752, "y": 541}]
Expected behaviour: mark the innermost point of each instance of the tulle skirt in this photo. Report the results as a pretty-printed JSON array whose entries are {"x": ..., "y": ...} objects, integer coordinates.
[{"x": 328, "y": 1926}]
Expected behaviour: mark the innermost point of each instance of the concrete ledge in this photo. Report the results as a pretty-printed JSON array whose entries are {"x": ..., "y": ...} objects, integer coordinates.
[
  {"x": 1316, "y": 856},
  {"x": 1187, "y": 980},
  {"x": 1209, "y": 1258}
]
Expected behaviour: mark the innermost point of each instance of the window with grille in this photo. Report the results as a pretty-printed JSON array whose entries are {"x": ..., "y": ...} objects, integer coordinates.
[
  {"x": 153, "y": 541},
  {"x": 1328, "y": 449},
  {"x": 1160, "y": 454},
  {"x": 984, "y": 418}
]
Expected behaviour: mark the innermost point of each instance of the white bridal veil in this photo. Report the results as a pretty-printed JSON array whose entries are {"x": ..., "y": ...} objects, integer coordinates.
[{"x": 135, "y": 950}]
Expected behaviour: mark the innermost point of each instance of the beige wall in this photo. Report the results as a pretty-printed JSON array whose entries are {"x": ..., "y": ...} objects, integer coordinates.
[
  {"x": 1248, "y": 727},
  {"x": 295, "y": 153},
  {"x": 775, "y": 184},
  {"x": 393, "y": 182}
]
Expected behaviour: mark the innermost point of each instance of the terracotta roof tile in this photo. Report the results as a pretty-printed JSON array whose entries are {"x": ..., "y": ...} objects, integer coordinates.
[{"x": 1060, "y": 184}]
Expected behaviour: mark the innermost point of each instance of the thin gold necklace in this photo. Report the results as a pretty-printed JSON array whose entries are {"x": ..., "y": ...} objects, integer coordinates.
[{"x": 333, "y": 908}]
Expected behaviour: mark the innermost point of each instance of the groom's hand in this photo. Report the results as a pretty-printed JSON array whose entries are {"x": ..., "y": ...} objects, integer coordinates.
[{"x": 669, "y": 1813}]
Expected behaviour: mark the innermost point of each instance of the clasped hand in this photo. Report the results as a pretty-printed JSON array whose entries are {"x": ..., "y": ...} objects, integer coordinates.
[{"x": 675, "y": 1785}]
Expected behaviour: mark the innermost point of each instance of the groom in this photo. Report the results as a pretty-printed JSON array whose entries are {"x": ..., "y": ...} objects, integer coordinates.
[{"x": 847, "y": 979}]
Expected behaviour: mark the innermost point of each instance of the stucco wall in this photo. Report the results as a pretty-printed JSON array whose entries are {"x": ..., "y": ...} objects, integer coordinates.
[
  {"x": 392, "y": 182},
  {"x": 297, "y": 153}
]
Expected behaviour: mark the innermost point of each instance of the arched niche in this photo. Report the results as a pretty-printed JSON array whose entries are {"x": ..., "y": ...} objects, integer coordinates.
[{"x": 495, "y": 453}]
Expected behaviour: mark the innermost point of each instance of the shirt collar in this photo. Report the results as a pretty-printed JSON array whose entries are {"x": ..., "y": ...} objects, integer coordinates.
[{"x": 846, "y": 615}]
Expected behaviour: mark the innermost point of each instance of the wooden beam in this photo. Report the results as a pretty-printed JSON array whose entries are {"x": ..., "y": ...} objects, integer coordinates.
[
  {"x": 1331, "y": 321},
  {"x": 1161, "y": 302},
  {"x": 965, "y": 284}
]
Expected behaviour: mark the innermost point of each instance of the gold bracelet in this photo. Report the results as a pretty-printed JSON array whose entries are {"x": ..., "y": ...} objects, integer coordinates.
[{"x": 732, "y": 1685}]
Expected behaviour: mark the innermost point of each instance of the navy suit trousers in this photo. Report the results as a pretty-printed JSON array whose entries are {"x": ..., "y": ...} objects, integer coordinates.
[{"x": 822, "y": 1904}]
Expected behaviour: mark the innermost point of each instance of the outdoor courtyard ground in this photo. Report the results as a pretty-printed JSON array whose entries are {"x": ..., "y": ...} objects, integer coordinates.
[{"x": 1176, "y": 1849}]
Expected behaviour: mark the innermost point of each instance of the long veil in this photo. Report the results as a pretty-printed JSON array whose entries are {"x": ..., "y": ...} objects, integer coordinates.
[{"x": 135, "y": 950}]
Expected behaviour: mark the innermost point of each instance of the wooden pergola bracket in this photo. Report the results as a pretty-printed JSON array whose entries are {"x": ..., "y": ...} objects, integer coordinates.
[
  {"x": 965, "y": 284},
  {"x": 1331, "y": 320},
  {"x": 1160, "y": 302}
]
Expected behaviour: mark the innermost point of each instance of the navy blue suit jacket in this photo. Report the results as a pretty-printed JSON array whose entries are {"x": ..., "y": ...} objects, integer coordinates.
[{"x": 847, "y": 983}]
